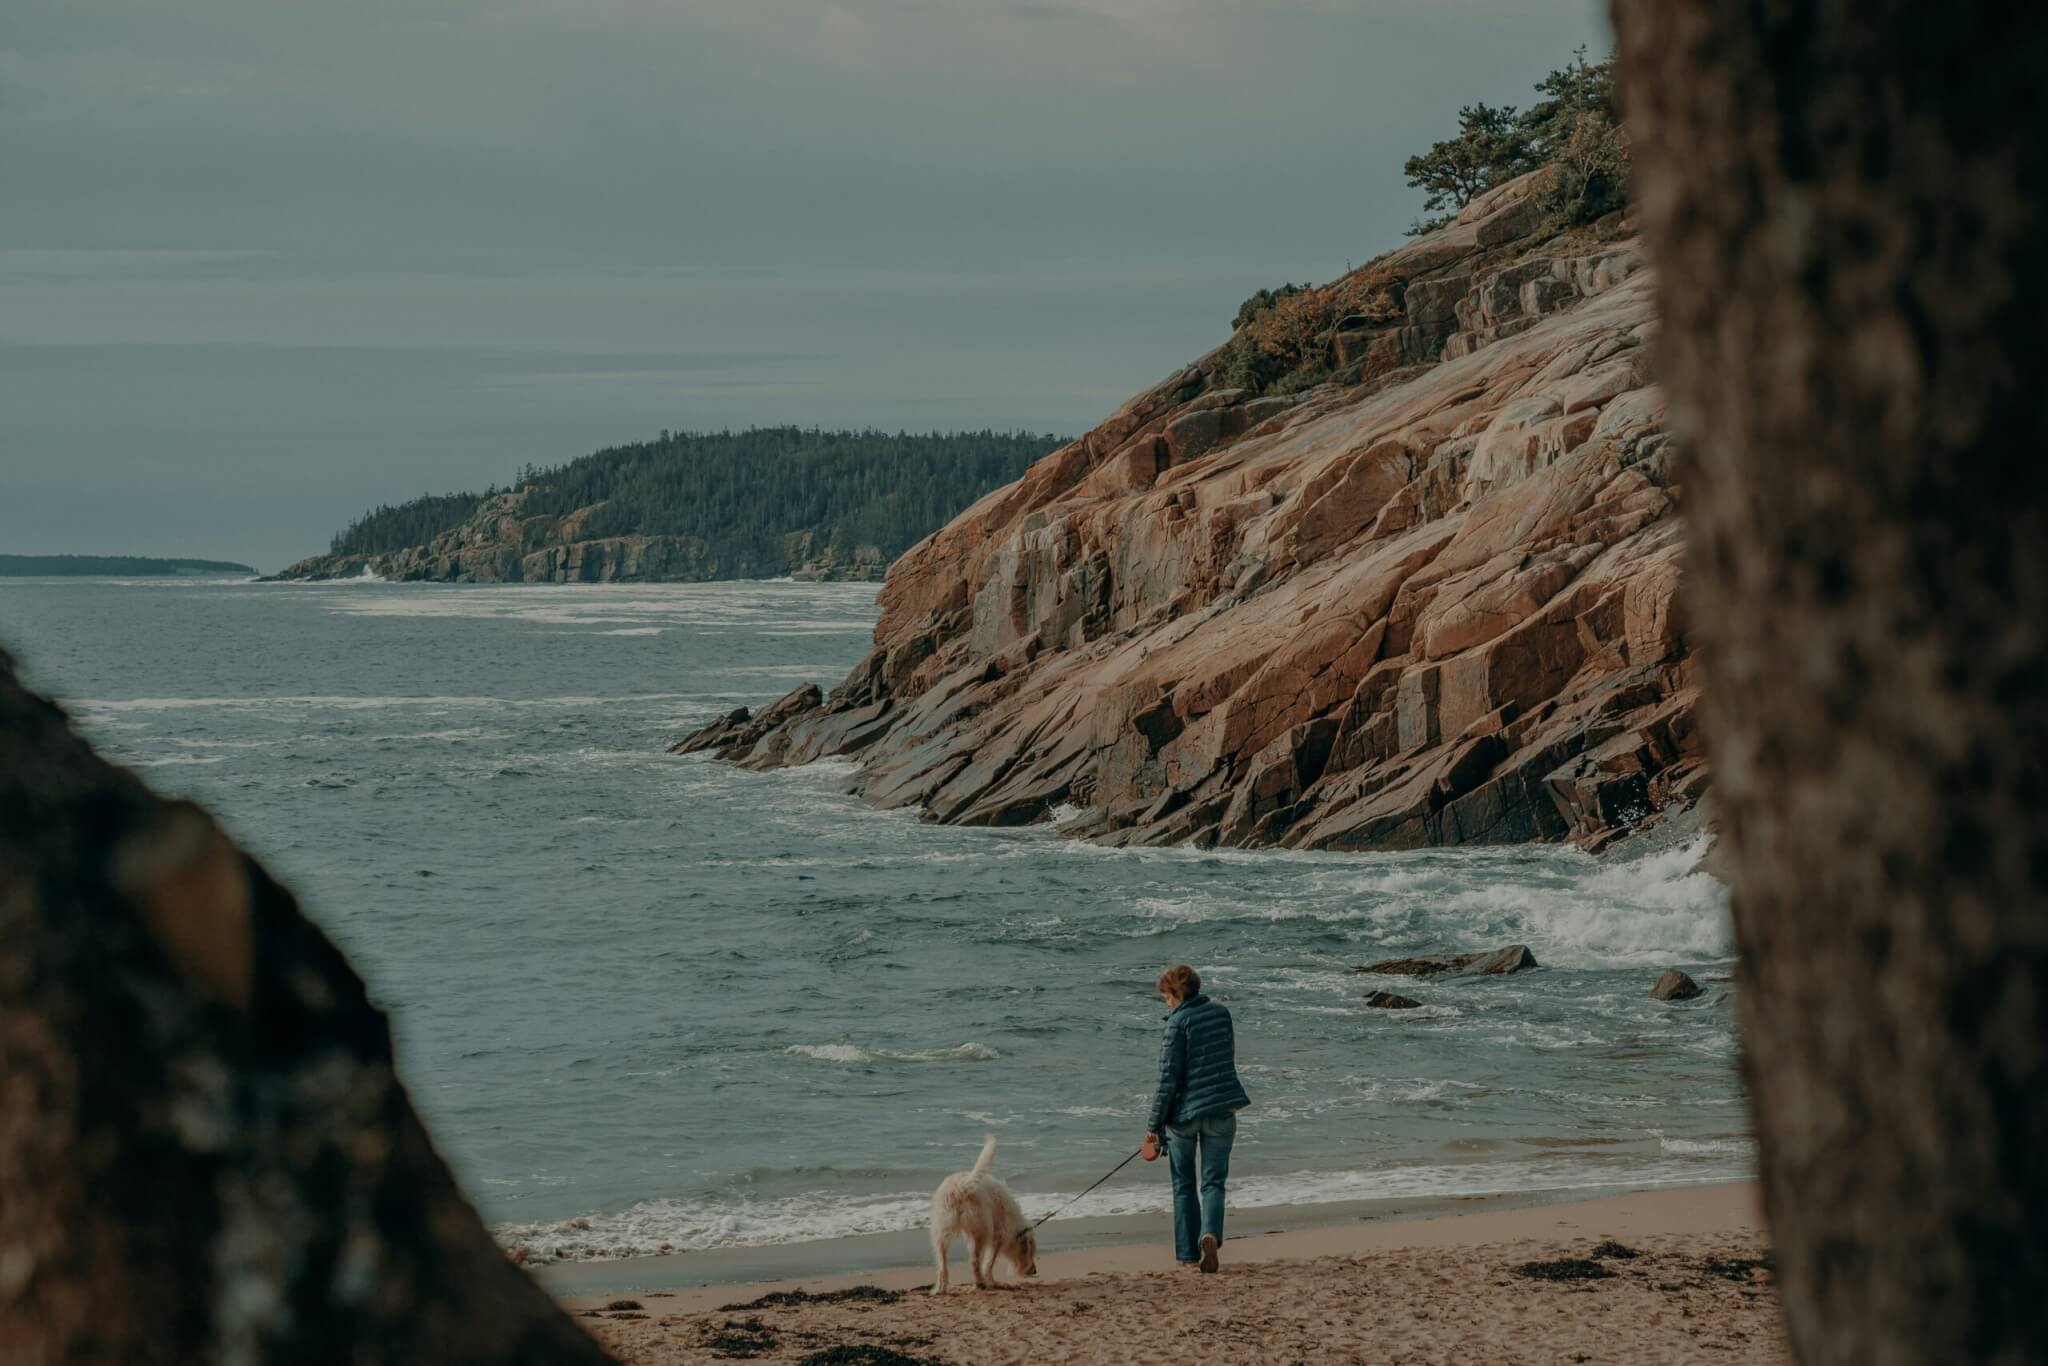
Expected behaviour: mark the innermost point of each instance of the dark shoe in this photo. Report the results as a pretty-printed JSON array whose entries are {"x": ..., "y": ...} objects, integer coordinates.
[{"x": 1208, "y": 1262}]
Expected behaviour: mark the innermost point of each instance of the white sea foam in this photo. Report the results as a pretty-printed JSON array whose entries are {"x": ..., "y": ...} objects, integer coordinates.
[
  {"x": 830, "y": 1052},
  {"x": 685, "y": 1225},
  {"x": 1704, "y": 1147},
  {"x": 633, "y": 631},
  {"x": 852, "y": 1053},
  {"x": 790, "y": 609},
  {"x": 171, "y": 581}
]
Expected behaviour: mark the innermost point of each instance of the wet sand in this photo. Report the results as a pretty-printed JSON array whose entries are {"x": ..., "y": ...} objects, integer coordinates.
[{"x": 1456, "y": 1287}]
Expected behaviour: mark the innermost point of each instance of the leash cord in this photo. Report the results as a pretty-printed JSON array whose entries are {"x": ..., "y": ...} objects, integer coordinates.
[{"x": 1099, "y": 1180}]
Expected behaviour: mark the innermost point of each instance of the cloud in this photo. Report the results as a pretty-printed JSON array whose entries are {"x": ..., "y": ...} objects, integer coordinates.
[{"x": 292, "y": 251}]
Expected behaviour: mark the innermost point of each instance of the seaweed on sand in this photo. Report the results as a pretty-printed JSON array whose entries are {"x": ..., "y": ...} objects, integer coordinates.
[
  {"x": 866, "y": 1354},
  {"x": 784, "y": 1298},
  {"x": 739, "y": 1339},
  {"x": 1565, "y": 1269}
]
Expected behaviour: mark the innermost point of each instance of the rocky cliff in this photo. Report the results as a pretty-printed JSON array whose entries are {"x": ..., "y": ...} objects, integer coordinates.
[
  {"x": 1430, "y": 602},
  {"x": 503, "y": 544}
]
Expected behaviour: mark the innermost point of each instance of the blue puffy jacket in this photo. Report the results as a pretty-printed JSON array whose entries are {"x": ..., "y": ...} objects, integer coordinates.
[{"x": 1197, "y": 1065}]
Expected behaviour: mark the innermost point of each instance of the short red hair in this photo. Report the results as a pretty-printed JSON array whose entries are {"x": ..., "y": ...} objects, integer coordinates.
[{"x": 1181, "y": 982}]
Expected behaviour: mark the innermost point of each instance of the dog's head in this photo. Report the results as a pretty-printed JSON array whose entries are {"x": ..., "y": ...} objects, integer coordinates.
[{"x": 1025, "y": 1253}]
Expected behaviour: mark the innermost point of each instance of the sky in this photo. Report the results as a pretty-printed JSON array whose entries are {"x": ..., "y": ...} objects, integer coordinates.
[{"x": 267, "y": 263}]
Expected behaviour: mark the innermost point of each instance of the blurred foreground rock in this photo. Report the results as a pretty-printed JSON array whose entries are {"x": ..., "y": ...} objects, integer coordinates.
[{"x": 205, "y": 1156}]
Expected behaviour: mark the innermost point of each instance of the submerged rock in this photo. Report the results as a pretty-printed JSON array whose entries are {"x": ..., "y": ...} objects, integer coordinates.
[
  {"x": 1421, "y": 965},
  {"x": 1387, "y": 1000},
  {"x": 1675, "y": 986},
  {"x": 1513, "y": 958}
]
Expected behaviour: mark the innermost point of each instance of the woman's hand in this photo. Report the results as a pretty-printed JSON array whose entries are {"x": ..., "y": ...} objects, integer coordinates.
[{"x": 1150, "y": 1149}]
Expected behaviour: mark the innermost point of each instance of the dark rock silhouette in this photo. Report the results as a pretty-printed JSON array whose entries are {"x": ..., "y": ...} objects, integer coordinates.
[
  {"x": 205, "y": 1155},
  {"x": 1844, "y": 205}
]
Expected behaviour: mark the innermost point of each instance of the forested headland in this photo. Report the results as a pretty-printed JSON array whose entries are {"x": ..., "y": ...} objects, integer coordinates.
[{"x": 727, "y": 504}]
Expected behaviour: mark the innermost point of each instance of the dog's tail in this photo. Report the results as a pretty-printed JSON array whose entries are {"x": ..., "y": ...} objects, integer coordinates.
[{"x": 988, "y": 1156}]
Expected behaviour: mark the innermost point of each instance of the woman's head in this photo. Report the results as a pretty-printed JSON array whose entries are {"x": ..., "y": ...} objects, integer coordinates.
[{"x": 1180, "y": 983}]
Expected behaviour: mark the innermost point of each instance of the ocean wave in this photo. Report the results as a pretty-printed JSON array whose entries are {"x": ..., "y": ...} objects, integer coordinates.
[
  {"x": 607, "y": 604},
  {"x": 1415, "y": 1090},
  {"x": 668, "y": 1225},
  {"x": 830, "y": 1052},
  {"x": 1572, "y": 910},
  {"x": 171, "y": 581}
]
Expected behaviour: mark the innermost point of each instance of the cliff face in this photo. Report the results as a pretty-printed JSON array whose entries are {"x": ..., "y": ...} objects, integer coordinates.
[
  {"x": 500, "y": 544},
  {"x": 1435, "y": 606}
]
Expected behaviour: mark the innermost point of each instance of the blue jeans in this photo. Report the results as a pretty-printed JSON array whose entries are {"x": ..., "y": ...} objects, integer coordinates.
[{"x": 1198, "y": 1180}]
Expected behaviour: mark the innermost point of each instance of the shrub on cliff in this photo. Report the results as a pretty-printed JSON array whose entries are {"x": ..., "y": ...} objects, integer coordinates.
[
  {"x": 1577, "y": 132},
  {"x": 1263, "y": 300},
  {"x": 1589, "y": 176},
  {"x": 1287, "y": 344}
]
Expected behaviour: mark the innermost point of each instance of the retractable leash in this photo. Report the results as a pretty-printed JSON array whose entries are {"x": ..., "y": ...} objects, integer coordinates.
[{"x": 1104, "y": 1177}]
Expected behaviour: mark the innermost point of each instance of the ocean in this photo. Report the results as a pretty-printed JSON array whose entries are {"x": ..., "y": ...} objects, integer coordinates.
[{"x": 654, "y": 1003}]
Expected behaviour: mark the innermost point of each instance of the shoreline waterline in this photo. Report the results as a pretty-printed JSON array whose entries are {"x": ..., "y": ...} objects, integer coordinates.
[
  {"x": 1088, "y": 1245},
  {"x": 648, "y": 1000}
]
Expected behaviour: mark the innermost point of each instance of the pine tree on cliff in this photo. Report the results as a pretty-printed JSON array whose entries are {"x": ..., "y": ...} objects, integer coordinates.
[
  {"x": 1493, "y": 146},
  {"x": 1845, "y": 204}
]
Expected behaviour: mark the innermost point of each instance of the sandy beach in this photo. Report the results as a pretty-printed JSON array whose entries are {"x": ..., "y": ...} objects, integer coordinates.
[{"x": 1675, "y": 1275}]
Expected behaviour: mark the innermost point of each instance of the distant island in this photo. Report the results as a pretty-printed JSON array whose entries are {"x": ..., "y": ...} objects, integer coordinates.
[
  {"x": 46, "y": 566},
  {"x": 692, "y": 506}
]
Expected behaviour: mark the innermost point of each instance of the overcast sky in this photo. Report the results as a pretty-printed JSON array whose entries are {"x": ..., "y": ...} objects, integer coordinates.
[{"x": 266, "y": 262}]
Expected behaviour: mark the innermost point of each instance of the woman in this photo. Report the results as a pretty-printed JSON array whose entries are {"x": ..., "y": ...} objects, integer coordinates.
[{"x": 1196, "y": 1108}]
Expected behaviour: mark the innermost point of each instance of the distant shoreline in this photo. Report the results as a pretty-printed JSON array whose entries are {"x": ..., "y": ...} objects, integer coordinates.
[{"x": 124, "y": 566}]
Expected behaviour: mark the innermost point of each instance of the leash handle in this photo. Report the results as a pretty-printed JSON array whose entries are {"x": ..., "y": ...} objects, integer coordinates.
[{"x": 1098, "y": 1181}]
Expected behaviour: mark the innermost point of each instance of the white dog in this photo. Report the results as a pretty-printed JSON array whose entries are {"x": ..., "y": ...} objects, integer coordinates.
[{"x": 978, "y": 1205}]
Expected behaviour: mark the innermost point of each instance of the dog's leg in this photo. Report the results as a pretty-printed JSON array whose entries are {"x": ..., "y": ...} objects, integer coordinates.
[
  {"x": 942, "y": 1252},
  {"x": 980, "y": 1277}
]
